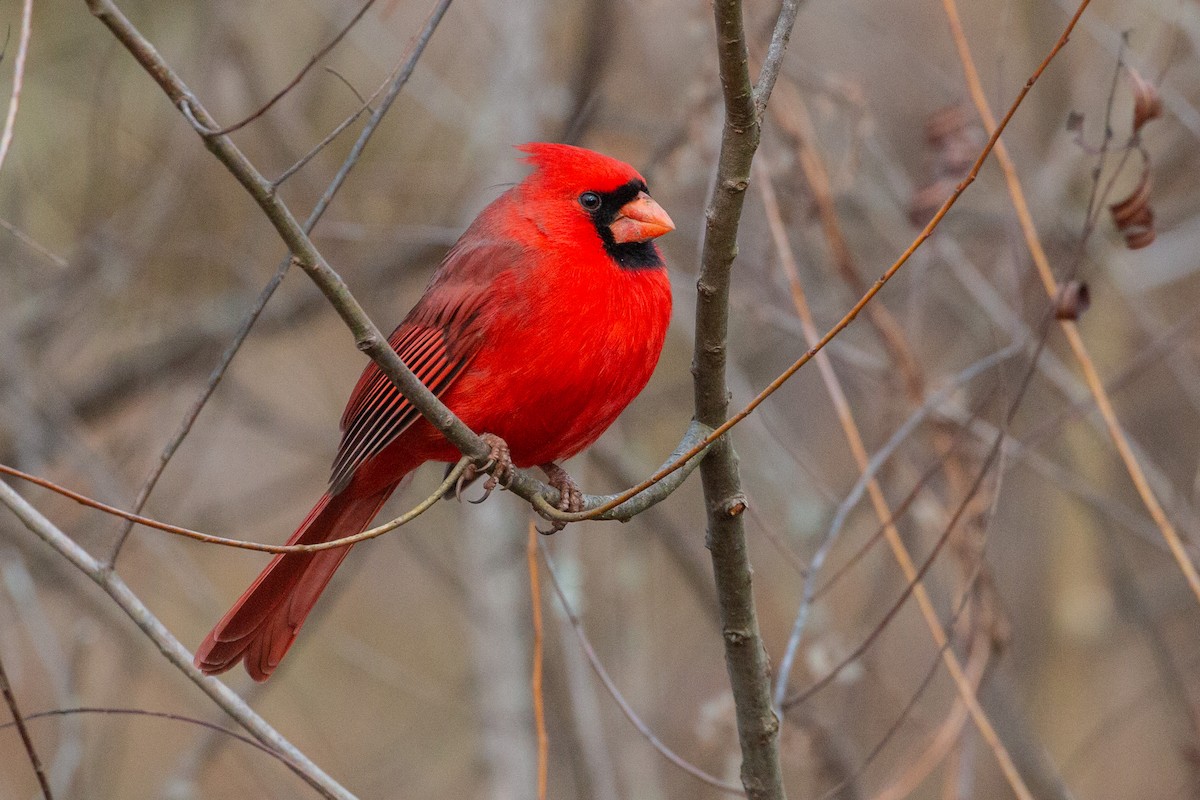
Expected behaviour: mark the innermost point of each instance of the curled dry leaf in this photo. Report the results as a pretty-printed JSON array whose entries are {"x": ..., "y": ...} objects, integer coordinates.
[
  {"x": 1073, "y": 299},
  {"x": 1133, "y": 216},
  {"x": 1147, "y": 103}
]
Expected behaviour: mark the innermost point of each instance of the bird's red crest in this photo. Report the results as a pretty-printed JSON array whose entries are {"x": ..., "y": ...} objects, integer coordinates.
[{"x": 577, "y": 167}]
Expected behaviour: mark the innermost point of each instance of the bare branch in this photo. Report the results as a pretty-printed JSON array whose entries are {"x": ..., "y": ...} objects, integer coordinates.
[
  {"x": 745, "y": 655},
  {"x": 775, "y": 52}
]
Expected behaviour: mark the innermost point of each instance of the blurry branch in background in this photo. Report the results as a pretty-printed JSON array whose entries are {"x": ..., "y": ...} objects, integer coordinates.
[
  {"x": 948, "y": 733},
  {"x": 18, "y": 80},
  {"x": 312, "y": 62},
  {"x": 34, "y": 244},
  {"x": 1069, "y": 327},
  {"x": 138, "y": 712},
  {"x": 623, "y": 704},
  {"x": 169, "y": 646},
  {"x": 26, "y": 741}
]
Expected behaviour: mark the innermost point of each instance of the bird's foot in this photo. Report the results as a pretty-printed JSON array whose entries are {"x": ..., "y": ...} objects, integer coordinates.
[
  {"x": 499, "y": 466},
  {"x": 570, "y": 496}
]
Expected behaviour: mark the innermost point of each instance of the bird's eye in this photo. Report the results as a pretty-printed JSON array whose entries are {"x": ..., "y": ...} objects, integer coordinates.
[{"x": 589, "y": 200}]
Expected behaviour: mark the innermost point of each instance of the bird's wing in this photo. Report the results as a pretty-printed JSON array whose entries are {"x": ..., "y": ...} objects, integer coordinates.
[{"x": 436, "y": 341}]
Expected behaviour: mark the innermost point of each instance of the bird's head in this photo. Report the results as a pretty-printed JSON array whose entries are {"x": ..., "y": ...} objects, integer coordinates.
[{"x": 581, "y": 193}]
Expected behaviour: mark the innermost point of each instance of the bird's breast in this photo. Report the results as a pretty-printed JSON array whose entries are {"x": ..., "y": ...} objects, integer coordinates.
[{"x": 563, "y": 359}]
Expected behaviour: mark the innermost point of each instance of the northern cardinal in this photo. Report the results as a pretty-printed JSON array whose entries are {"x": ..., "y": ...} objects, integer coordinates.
[{"x": 543, "y": 322}]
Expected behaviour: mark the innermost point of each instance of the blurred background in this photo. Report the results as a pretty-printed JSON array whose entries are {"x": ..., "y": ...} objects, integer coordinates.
[{"x": 130, "y": 257}]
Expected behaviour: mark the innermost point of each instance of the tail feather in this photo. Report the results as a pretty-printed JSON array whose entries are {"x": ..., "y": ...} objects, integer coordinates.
[{"x": 264, "y": 621}]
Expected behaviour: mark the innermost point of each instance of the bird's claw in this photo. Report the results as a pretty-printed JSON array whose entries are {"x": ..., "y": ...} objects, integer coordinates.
[
  {"x": 499, "y": 465},
  {"x": 570, "y": 496}
]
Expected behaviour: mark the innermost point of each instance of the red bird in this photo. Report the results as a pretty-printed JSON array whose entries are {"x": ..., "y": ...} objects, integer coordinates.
[{"x": 543, "y": 322}]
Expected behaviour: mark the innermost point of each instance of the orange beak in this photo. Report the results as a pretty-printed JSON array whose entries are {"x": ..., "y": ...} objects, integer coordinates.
[{"x": 640, "y": 220}]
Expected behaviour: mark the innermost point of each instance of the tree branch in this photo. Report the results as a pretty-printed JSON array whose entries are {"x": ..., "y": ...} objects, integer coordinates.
[
  {"x": 745, "y": 655},
  {"x": 169, "y": 646},
  {"x": 305, "y": 255},
  {"x": 401, "y": 76}
]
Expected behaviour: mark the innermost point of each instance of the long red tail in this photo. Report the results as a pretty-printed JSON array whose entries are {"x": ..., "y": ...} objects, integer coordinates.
[{"x": 264, "y": 621}]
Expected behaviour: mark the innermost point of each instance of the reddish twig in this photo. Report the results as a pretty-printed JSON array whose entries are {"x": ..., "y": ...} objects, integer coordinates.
[
  {"x": 446, "y": 485},
  {"x": 539, "y": 706}
]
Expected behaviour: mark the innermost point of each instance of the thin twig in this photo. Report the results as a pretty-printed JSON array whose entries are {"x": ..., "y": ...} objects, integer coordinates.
[
  {"x": 626, "y": 709},
  {"x": 138, "y": 712},
  {"x": 30, "y": 751},
  {"x": 952, "y": 726},
  {"x": 312, "y": 62},
  {"x": 958, "y": 714},
  {"x": 446, "y": 485},
  {"x": 34, "y": 244},
  {"x": 168, "y": 645},
  {"x": 775, "y": 52},
  {"x": 325, "y": 142}
]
